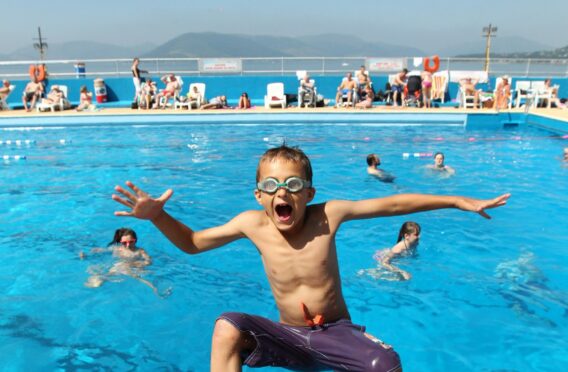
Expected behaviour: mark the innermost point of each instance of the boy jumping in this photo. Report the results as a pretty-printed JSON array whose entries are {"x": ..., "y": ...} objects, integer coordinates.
[{"x": 297, "y": 245}]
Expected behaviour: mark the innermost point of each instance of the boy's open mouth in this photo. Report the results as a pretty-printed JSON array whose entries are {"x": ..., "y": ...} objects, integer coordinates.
[{"x": 283, "y": 211}]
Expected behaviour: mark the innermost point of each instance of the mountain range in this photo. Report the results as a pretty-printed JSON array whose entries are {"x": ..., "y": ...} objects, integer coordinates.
[{"x": 210, "y": 44}]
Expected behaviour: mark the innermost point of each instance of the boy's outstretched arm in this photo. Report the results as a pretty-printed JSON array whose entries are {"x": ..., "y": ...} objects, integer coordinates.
[
  {"x": 144, "y": 207},
  {"x": 410, "y": 203}
]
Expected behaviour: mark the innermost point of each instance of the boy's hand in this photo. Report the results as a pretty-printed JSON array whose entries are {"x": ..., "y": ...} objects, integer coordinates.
[
  {"x": 141, "y": 204},
  {"x": 479, "y": 206}
]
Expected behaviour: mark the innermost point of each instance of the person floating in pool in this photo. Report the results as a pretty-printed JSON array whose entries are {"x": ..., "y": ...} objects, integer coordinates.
[
  {"x": 373, "y": 162},
  {"x": 406, "y": 244},
  {"x": 131, "y": 260},
  {"x": 439, "y": 165},
  {"x": 297, "y": 244},
  {"x": 565, "y": 158}
]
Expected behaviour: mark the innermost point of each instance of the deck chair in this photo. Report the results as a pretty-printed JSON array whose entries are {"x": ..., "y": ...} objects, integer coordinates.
[
  {"x": 180, "y": 103},
  {"x": 306, "y": 97},
  {"x": 468, "y": 100},
  {"x": 345, "y": 96},
  {"x": 61, "y": 105},
  {"x": 541, "y": 93},
  {"x": 165, "y": 102},
  {"x": 4, "y": 100},
  {"x": 522, "y": 90},
  {"x": 275, "y": 95},
  {"x": 439, "y": 86}
]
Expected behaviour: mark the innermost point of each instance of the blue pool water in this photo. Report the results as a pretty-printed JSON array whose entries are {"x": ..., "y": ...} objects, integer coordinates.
[{"x": 485, "y": 295}]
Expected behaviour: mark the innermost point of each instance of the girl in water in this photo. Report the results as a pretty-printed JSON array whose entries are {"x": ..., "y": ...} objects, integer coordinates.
[
  {"x": 131, "y": 260},
  {"x": 406, "y": 244}
]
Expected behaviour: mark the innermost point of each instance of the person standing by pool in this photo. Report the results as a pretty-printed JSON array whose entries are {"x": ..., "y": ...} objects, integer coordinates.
[
  {"x": 373, "y": 162},
  {"x": 136, "y": 78},
  {"x": 406, "y": 244},
  {"x": 297, "y": 244},
  {"x": 439, "y": 165},
  {"x": 502, "y": 93}
]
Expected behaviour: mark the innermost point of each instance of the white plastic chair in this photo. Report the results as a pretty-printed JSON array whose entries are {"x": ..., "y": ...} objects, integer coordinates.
[
  {"x": 275, "y": 95},
  {"x": 522, "y": 91},
  {"x": 61, "y": 105},
  {"x": 193, "y": 103},
  {"x": 345, "y": 96},
  {"x": 541, "y": 92},
  {"x": 439, "y": 85}
]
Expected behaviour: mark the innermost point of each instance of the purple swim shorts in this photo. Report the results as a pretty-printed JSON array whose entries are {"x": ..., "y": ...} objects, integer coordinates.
[{"x": 341, "y": 346}]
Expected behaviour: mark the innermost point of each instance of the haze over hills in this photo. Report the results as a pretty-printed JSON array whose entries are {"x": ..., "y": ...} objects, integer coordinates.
[{"x": 210, "y": 44}]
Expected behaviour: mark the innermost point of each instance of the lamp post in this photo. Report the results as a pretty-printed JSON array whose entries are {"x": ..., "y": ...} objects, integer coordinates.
[
  {"x": 488, "y": 32},
  {"x": 40, "y": 45}
]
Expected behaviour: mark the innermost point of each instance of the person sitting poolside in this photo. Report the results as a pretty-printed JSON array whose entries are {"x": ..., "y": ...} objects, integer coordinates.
[
  {"x": 244, "y": 101},
  {"x": 218, "y": 102},
  {"x": 86, "y": 100},
  {"x": 346, "y": 89},
  {"x": 439, "y": 165},
  {"x": 467, "y": 85},
  {"x": 369, "y": 97},
  {"x": 362, "y": 76},
  {"x": 373, "y": 162},
  {"x": 54, "y": 96},
  {"x": 406, "y": 244},
  {"x": 5, "y": 90},
  {"x": 32, "y": 92},
  {"x": 172, "y": 85},
  {"x": 306, "y": 92}
]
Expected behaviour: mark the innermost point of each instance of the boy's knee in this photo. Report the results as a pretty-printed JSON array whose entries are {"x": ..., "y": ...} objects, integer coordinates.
[
  {"x": 225, "y": 332},
  {"x": 385, "y": 361}
]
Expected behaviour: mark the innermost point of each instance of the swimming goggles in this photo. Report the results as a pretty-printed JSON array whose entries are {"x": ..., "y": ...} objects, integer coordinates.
[{"x": 292, "y": 184}]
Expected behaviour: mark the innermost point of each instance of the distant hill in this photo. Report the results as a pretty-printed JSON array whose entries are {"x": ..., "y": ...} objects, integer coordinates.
[
  {"x": 210, "y": 44},
  {"x": 500, "y": 45},
  {"x": 560, "y": 53},
  {"x": 80, "y": 50}
]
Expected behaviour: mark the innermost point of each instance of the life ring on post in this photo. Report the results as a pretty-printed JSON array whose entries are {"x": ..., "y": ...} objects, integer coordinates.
[
  {"x": 37, "y": 71},
  {"x": 429, "y": 68}
]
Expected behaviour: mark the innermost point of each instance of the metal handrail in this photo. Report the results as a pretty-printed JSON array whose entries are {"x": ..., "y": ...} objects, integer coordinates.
[{"x": 117, "y": 67}]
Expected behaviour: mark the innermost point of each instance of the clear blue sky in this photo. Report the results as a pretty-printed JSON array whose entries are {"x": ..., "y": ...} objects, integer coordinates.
[{"x": 410, "y": 22}]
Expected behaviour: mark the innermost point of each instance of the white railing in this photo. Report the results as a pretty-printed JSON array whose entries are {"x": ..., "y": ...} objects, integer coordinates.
[{"x": 277, "y": 66}]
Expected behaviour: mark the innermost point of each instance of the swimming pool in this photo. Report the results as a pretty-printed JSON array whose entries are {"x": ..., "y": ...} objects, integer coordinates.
[{"x": 485, "y": 295}]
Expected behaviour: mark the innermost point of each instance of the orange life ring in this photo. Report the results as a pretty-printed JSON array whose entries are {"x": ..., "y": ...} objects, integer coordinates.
[
  {"x": 429, "y": 68},
  {"x": 37, "y": 71}
]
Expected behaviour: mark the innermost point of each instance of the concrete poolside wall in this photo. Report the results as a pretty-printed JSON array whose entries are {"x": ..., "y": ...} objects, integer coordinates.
[{"x": 120, "y": 91}]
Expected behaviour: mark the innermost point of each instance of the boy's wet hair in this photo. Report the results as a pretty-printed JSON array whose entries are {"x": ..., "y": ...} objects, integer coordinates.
[
  {"x": 407, "y": 228},
  {"x": 293, "y": 154},
  {"x": 119, "y": 233}
]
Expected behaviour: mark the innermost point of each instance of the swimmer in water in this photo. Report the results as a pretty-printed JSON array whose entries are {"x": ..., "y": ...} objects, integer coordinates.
[
  {"x": 131, "y": 260},
  {"x": 373, "y": 162},
  {"x": 406, "y": 244},
  {"x": 439, "y": 165}
]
